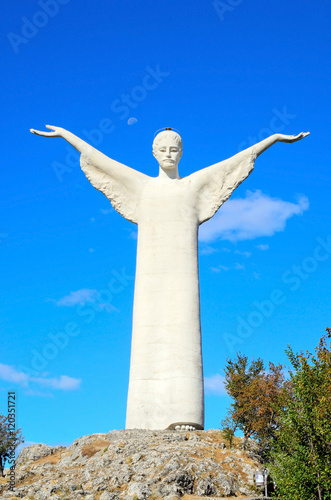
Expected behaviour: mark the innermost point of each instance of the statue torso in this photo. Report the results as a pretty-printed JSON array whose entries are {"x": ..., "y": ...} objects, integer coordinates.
[{"x": 168, "y": 201}]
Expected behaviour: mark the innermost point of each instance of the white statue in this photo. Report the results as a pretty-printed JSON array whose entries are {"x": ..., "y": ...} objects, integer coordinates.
[{"x": 166, "y": 376}]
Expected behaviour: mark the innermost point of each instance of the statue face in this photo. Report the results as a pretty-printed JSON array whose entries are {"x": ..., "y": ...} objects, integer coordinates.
[{"x": 168, "y": 153}]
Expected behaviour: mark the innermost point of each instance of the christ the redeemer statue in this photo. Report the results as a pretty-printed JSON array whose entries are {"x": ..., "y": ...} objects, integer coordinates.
[{"x": 166, "y": 376}]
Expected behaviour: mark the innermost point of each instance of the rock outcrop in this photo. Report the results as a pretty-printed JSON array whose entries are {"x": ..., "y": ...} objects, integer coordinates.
[{"x": 136, "y": 465}]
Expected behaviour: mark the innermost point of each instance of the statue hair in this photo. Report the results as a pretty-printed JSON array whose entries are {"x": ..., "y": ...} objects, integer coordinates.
[{"x": 168, "y": 133}]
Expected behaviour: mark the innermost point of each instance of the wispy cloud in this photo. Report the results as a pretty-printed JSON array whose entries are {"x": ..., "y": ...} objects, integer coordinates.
[
  {"x": 262, "y": 247},
  {"x": 10, "y": 374},
  {"x": 215, "y": 385},
  {"x": 251, "y": 217},
  {"x": 207, "y": 250},
  {"x": 219, "y": 269},
  {"x": 64, "y": 383},
  {"x": 29, "y": 391},
  {"x": 106, "y": 211},
  {"x": 237, "y": 267},
  {"x": 79, "y": 297},
  {"x": 245, "y": 254},
  {"x": 84, "y": 296}
]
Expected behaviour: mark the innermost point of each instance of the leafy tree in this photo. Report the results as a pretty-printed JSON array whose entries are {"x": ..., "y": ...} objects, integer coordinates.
[
  {"x": 258, "y": 396},
  {"x": 238, "y": 376},
  {"x": 228, "y": 430},
  {"x": 8, "y": 441},
  {"x": 301, "y": 459},
  {"x": 266, "y": 399}
]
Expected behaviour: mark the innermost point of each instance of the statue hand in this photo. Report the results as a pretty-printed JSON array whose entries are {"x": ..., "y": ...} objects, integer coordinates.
[
  {"x": 57, "y": 131},
  {"x": 292, "y": 138}
]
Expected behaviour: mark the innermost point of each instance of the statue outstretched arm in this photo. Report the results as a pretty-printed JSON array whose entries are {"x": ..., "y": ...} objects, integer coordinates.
[
  {"x": 75, "y": 141},
  {"x": 262, "y": 146},
  {"x": 215, "y": 184},
  {"x": 122, "y": 185}
]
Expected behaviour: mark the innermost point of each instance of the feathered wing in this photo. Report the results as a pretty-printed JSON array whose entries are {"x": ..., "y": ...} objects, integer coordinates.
[
  {"x": 215, "y": 184},
  {"x": 122, "y": 185}
]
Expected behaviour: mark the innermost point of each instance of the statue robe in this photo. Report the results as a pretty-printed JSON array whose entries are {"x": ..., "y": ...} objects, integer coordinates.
[{"x": 166, "y": 373}]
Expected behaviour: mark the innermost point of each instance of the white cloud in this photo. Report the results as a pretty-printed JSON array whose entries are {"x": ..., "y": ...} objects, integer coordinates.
[
  {"x": 63, "y": 383},
  {"x": 106, "y": 211},
  {"x": 262, "y": 247},
  {"x": 236, "y": 267},
  {"x": 219, "y": 269},
  {"x": 86, "y": 295},
  {"x": 251, "y": 217},
  {"x": 80, "y": 297},
  {"x": 215, "y": 385},
  {"x": 207, "y": 250},
  {"x": 245, "y": 254},
  {"x": 10, "y": 374},
  {"x": 29, "y": 391}
]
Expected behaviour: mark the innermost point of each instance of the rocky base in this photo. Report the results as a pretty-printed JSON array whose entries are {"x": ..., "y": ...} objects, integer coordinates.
[{"x": 136, "y": 465}]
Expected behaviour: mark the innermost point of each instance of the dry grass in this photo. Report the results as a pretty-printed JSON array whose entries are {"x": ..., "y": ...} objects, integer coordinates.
[
  {"x": 31, "y": 479},
  {"x": 52, "y": 459},
  {"x": 207, "y": 448},
  {"x": 219, "y": 455},
  {"x": 97, "y": 495},
  {"x": 93, "y": 447}
]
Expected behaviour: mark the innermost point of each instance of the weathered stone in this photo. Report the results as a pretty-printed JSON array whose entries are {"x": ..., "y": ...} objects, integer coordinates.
[
  {"x": 108, "y": 496},
  {"x": 205, "y": 487},
  {"x": 34, "y": 452},
  {"x": 139, "y": 491},
  {"x": 184, "y": 482},
  {"x": 150, "y": 464}
]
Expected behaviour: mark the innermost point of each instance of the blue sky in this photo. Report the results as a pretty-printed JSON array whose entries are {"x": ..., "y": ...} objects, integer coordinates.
[{"x": 226, "y": 75}]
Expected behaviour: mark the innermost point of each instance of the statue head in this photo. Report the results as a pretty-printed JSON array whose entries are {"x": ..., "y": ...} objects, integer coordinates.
[{"x": 167, "y": 149}]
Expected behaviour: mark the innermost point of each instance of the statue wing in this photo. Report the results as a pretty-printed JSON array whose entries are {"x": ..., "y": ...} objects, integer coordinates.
[
  {"x": 122, "y": 185},
  {"x": 215, "y": 184}
]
